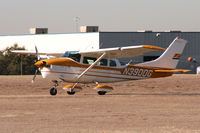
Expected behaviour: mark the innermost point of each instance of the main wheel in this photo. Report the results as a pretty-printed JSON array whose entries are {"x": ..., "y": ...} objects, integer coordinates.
[
  {"x": 71, "y": 92},
  {"x": 53, "y": 91},
  {"x": 101, "y": 92}
]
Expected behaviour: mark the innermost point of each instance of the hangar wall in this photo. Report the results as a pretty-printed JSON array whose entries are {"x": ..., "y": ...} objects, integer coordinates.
[
  {"x": 161, "y": 39},
  {"x": 53, "y": 42}
]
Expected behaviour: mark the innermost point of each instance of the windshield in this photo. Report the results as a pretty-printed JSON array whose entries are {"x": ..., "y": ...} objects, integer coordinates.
[{"x": 73, "y": 55}]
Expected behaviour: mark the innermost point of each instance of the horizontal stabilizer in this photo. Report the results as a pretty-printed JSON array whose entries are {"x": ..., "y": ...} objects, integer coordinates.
[{"x": 174, "y": 70}]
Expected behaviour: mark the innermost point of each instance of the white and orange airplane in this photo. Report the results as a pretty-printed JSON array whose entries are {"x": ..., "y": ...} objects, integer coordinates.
[{"x": 101, "y": 66}]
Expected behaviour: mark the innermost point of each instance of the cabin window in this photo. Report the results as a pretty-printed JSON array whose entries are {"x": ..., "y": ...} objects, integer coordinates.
[
  {"x": 122, "y": 63},
  {"x": 113, "y": 63},
  {"x": 103, "y": 62},
  {"x": 89, "y": 60},
  {"x": 73, "y": 55}
]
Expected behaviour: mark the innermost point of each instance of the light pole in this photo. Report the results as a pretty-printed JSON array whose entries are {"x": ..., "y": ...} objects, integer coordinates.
[
  {"x": 21, "y": 66},
  {"x": 77, "y": 19}
]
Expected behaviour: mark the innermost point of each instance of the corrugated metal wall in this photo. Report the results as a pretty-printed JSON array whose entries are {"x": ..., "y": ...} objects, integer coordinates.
[{"x": 161, "y": 39}]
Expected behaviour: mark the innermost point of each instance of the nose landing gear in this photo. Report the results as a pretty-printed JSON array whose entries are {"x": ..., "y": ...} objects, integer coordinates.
[{"x": 53, "y": 91}]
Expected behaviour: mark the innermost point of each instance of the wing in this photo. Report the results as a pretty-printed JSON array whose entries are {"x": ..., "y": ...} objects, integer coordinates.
[
  {"x": 25, "y": 52},
  {"x": 122, "y": 52}
]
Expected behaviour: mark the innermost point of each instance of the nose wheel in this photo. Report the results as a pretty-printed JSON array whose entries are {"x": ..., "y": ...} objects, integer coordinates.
[{"x": 53, "y": 91}]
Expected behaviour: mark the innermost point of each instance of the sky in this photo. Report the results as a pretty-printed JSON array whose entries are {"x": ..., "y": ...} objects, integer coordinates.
[{"x": 17, "y": 16}]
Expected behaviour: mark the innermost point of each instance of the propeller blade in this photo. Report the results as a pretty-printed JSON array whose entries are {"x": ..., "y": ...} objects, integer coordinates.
[
  {"x": 36, "y": 50},
  {"x": 38, "y": 59},
  {"x": 36, "y": 71}
]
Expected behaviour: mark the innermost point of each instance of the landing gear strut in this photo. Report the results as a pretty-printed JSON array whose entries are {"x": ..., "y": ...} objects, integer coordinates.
[{"x": 53, "y": 91}]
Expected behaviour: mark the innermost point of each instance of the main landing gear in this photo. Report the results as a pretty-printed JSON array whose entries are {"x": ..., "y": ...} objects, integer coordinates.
[
  {"x": 103, "y": 89},
  {"x": 101, "y": 92},
  {"x": 71, "y": 90},
  {"x": 53, "y": 91}
]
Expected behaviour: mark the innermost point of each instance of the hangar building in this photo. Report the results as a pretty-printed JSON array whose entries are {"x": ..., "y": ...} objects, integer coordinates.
[
  {"x": 161, "y": 39},
  {"x": 95, "y": 40}
]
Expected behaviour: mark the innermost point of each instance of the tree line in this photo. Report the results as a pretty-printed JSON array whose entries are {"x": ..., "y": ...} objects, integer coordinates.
[{"x": 11, "y": 64}]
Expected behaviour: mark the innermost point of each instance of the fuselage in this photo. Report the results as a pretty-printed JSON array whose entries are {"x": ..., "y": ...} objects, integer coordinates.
[{"x": 68, "y": 70}]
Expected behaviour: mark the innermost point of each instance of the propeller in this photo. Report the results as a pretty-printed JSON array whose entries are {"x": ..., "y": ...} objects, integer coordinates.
[{"x": 38, "y": 58}]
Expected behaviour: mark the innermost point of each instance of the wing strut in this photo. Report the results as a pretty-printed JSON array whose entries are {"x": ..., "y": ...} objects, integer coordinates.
[{"x": 86, "y": 70}]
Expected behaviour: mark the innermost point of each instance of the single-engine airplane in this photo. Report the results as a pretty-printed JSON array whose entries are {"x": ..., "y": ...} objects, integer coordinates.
[{"x": 101, "y": 66}]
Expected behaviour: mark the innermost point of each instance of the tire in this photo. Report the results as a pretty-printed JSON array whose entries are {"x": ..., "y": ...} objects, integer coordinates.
[
  {"x": 71, "y": 92},
  {"x": 101, "y": 92},
  {"x": 53, "y": 91}
]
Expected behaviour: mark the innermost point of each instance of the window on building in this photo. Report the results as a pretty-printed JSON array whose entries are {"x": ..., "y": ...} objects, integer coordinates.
[{"x": 149, "y": 58}]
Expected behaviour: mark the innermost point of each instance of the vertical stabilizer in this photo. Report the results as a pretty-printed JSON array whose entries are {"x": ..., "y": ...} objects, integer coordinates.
[{"x": 171, "y": 56}]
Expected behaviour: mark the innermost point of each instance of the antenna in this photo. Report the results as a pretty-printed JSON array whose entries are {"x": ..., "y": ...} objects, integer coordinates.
[{"x": 101, "y": 44}]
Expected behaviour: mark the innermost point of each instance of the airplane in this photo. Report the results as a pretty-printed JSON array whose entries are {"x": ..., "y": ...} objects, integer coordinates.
[{"x": 102, "y": 66}]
